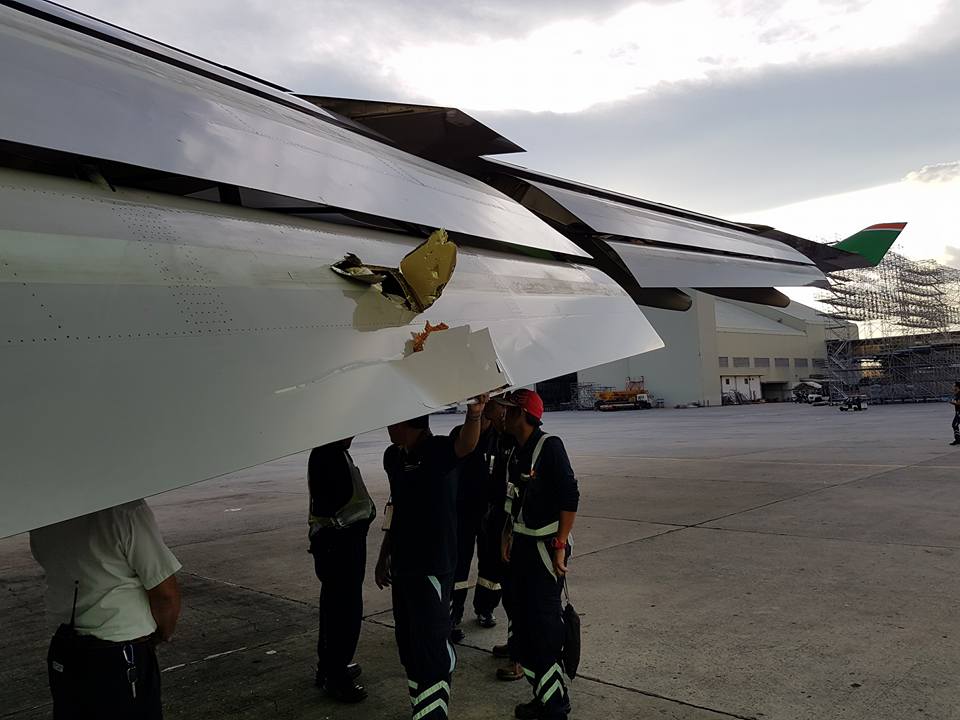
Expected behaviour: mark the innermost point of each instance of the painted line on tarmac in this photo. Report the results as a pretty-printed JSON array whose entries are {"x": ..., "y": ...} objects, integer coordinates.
[
  {"x": 728, "y": 459},
  {"x": 829, "y": 538},
  {"x": 259, "y": 646},
  {"x": 636, "y": 691},
  {"x": 249, "y": 589},
  {"x": 667, "y": 698}
]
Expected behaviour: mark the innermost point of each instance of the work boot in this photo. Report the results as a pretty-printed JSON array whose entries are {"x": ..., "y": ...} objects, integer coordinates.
[
  {"x": 347, "y": 690},
  {"x": 956, "y": 442},
  {"x": 353, "y": 672},
  {"x": 510, "y": 673},
  {"x": 456, "y": 635},
  {"x": 486, "y": 620},
  {"x": 501, "y": 651},
  {"x": 528, "y": 711}
]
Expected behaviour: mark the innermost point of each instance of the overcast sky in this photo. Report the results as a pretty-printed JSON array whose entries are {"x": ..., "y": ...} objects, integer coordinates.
[{"x": 817, "y": 116}]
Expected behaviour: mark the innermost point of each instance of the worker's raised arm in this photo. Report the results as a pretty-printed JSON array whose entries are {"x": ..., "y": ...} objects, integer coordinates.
[{"x": 469, "y": 435}]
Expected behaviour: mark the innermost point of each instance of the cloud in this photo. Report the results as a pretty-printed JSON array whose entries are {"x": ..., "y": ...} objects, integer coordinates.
[
  {"x": 759, "y": 141},
  {"x": 931, "y": 211},
  {"x": 555, "y": 55},
  {"x": 743, "y": 140},
  {"x": 571, "y": 65},
  {"x": 951, "y": 256},
  {"x": 940, "y": 172}
]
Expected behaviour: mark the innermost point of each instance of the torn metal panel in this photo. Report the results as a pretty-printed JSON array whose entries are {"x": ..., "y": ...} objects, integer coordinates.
[
  {"x": 417, "y": 282},
  {"x": 453, "y": 365},
  {"x": 420, "y": 339},
  {"x": 113, "y": 102}
]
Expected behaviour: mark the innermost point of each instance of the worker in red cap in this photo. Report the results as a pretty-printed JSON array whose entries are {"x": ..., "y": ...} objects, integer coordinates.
[{"x": 542, "y": 499}]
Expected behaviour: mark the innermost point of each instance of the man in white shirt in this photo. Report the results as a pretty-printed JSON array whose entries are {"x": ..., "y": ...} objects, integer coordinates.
[{"x": 111, "y": 587}]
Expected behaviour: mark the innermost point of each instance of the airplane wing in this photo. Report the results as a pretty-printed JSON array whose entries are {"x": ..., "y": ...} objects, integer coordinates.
[
  {"x": 169, "y": 229},
  {"x": 149, "y": 342}
]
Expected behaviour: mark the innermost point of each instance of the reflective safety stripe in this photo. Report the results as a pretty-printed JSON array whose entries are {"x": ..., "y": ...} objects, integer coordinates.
[
  {"x": 488, "y": 584},
  {"x": 442, "y": 685},
  {"x": 536, "y": 452},
  {"x": 553, "y": 688},
  {"x": 436, "y": 586},
  {"x": 554, "y": 670},
  {"x": 430, "y": 708},
  {"x": 551, "y": 529},
  {"x": 465, "y": 585},
  {"x": 545, "y": 556},
  {"x": 412, "y": 684},
  {"x": 453, "y": 658},
  {"x": 528, "y": 673}
]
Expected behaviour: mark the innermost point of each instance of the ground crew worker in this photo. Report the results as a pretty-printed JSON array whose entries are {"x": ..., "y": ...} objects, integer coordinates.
[
  {"x": 112, "y": 589},
  {"x": 418, "y": 554},
  {"x": 473, "y": 496},
  {"x": 956, "y": 413},
  {"x": 542, "y": 501},
  {"x": 340, "y": 515}
]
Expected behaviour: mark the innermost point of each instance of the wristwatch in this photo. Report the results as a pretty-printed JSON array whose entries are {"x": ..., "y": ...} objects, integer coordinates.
[{"x": 557, "y": 544}]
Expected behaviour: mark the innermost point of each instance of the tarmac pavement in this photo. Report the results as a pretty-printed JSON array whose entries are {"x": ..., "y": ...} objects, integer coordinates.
[{"x": 773, "y": 561}]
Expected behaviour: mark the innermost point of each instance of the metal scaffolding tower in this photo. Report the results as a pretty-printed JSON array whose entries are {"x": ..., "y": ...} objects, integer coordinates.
[{"x": 908, "y": 315}]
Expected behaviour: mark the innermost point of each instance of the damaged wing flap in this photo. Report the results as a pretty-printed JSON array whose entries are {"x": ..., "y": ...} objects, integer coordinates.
[{"x": 419, "y": 280}]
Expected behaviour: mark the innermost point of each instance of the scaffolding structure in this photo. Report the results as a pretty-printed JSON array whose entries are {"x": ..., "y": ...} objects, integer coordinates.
[{"x": 908, "y": 316}]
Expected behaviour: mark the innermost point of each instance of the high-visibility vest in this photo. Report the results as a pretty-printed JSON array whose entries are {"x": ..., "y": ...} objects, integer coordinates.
[
  {"x": 513, "y": 492},
  {"x": 358, "y": 508}
]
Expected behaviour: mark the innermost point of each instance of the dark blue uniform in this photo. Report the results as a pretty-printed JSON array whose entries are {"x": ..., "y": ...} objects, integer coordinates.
[
  {"x": 540, "y": 489},
  {"x": 476, "y": 514},
  {"x": 423, "y": 541}
]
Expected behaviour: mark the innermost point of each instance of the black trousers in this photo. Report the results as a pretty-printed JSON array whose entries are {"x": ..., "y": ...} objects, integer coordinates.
[
  {"x": 421, "y": 614},
  {"x": 483, "y": 531},
  {"x": 92, "y": 680},
  {"x": 507, "y": 599},
  {"x": 537, "y": 623},
  {"x": 956, "y": 426},
  {"x": 339, "y": 559}
]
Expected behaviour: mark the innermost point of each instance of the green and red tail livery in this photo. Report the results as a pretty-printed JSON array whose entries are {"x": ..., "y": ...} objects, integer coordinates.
[{"x": 873, "y": 242}]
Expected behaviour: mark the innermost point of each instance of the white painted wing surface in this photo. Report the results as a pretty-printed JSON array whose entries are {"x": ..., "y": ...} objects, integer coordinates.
[
  {"x": 616, "y": 218},
  {"x": 68, "y": 91},
  {"x": 148, "y": 342},
  {"x": 654, "y": 266}
]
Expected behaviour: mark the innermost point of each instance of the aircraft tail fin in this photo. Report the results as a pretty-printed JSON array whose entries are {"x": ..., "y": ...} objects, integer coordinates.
[{"x": 872, "y": 243}]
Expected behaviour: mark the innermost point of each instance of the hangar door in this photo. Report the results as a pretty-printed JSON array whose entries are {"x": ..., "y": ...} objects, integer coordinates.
[{"x": 745, "y": 388}]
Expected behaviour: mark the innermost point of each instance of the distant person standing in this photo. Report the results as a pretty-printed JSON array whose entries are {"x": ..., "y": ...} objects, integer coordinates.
[
  {"x": 956, "y": 413},
  {"x": 111, "y": 588},
  {"x": 340, "y": 515}
]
